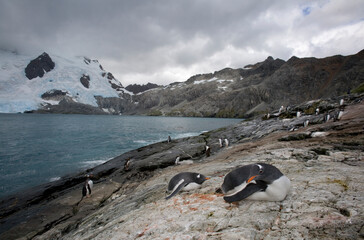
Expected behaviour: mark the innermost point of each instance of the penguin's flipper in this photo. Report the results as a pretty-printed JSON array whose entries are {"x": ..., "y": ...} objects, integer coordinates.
[
  {"x": 246, "y": 192},
  {"x": 178, "y": 188},
  {"x": 84, "y": 191},
  {"x": 89, "y": 189}
]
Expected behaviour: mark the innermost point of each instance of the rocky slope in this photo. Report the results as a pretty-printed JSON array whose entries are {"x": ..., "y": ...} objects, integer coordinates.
[
  {"x": 256, "y": 88},
  {"x": 324, "y": 161}
]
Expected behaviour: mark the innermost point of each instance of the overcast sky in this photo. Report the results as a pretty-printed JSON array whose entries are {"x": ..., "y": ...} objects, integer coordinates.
[{"x": 165, "y": 41}]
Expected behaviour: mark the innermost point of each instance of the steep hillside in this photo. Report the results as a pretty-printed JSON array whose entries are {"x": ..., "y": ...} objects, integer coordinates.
[{"x": 256, "y": 88}]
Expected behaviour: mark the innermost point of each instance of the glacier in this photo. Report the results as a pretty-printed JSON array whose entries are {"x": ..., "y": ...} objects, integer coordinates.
[{"x": 19, "y": 94}]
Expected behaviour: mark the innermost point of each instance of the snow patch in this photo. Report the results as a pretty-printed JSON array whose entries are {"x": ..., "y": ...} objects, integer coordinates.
[{"x": 212, "y": 80}]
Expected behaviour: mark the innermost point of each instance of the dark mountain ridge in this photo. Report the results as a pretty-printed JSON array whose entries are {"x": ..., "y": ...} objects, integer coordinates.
[
  {"x": 257, "y": 88},
  {"x": 83, "y": 86}
]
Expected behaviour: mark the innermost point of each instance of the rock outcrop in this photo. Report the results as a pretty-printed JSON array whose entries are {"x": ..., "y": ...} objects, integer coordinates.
[
  {"x": 38, "y": 66},
  {"x": 54, "y": 94},
  {"x": 136, "y": 88},
  {"x": 67, "y": 105},
  {"x": 85, "y": 80},
  {"x": 323, "y": 160}
]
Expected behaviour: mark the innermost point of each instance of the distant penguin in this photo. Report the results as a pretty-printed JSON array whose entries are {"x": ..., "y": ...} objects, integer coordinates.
[
  {"x": 317, "y": 111},
  {"x": 258, "y": 181},
  {"x": 87, "y": 188},
  {"x": 341, "y": 102},
  {"x": 177, "y": 160},
  {"x": 268, "y": 115},
  {"x": 220, "y": 142},
  {"x": 127, "y": 164},
  {"x": 281, "y": 110},
  {"x": 185, "y": 181},
  {"x": 339, "y": 115},
  {"x": 208, "y": 151},
  {"x": 185, "y": 162},
  {"x": 292, "y": 129},
  {"x": 306, "y": 122},
  {"x": 169, "y": 139},
  {"x": 226, "y": 142},
  {"x": 298, "y": 114},
  {"x": 327, "y": 117}
]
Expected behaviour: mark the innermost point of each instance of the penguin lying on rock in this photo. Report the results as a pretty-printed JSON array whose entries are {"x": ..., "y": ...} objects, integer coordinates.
[
  {"x": 185, "y": 181},
  {"x": 258, "y": 181}
]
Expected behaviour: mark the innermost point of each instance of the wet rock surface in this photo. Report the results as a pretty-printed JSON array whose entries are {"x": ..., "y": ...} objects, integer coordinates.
[{"x": 325, "y": 201}]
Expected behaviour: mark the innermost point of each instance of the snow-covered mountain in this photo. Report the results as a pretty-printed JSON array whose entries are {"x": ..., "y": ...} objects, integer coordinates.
[{"x": 29, "y": 83}]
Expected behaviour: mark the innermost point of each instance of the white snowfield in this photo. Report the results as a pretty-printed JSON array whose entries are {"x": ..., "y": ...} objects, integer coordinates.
[{"x": 19, "y": 94}]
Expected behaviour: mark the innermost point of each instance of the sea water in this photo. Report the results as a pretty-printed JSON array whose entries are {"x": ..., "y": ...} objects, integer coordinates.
[{"x": 39, "y": 148}]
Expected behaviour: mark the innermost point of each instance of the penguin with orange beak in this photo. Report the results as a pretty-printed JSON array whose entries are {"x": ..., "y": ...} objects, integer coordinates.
[{"x": 258, "y": 181}]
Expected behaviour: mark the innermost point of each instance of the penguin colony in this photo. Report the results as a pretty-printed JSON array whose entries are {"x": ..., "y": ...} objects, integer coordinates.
[{"x": 259, "y": 181}]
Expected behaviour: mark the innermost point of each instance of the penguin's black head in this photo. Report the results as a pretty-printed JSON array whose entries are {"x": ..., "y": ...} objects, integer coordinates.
[
  {"x": 264, "y": 172},
  {"x": 199, "y": 178}
]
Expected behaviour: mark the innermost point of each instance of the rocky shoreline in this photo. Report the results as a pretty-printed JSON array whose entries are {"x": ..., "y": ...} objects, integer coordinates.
[{"x": 324, "y": 161}]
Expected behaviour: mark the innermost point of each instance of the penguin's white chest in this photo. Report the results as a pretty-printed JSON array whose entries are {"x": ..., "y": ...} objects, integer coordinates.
[
  {"x": 276, "y": 191},
  {"x": 90, "y": 183},
  {"x": 191, "y": 186}
]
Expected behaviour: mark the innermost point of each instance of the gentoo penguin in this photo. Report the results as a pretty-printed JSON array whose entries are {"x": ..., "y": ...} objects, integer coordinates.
[
  {"x": 305, "y": 124},
  {"x": 327, "y": 117},
  {"x": 184, "y": 162},
  {"x": 208, "y": 151},
  {"x": 339, "y": 115},
  {"x": 298, "y": 114},
  {"x": 177, "y": 160},
  {"x": 292, "y": 129},
  {"x": 226, "y": 142},
  {"x": 281, "y": 110},
  {"x": 127, "y": 164},
  {"x": 317, "y": 111},
  {"x": 341, "y": 102},
  {"x": 258, "y": 181},
  {"x": 169, "y": 139},
  {"x": 220, "y": 142},
  {"x": 87, "y": 187},
  {"x": 185, "y": 181}
]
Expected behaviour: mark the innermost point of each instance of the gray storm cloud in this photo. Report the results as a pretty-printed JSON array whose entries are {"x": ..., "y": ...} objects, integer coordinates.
[{"x": 168, "y": 41}]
